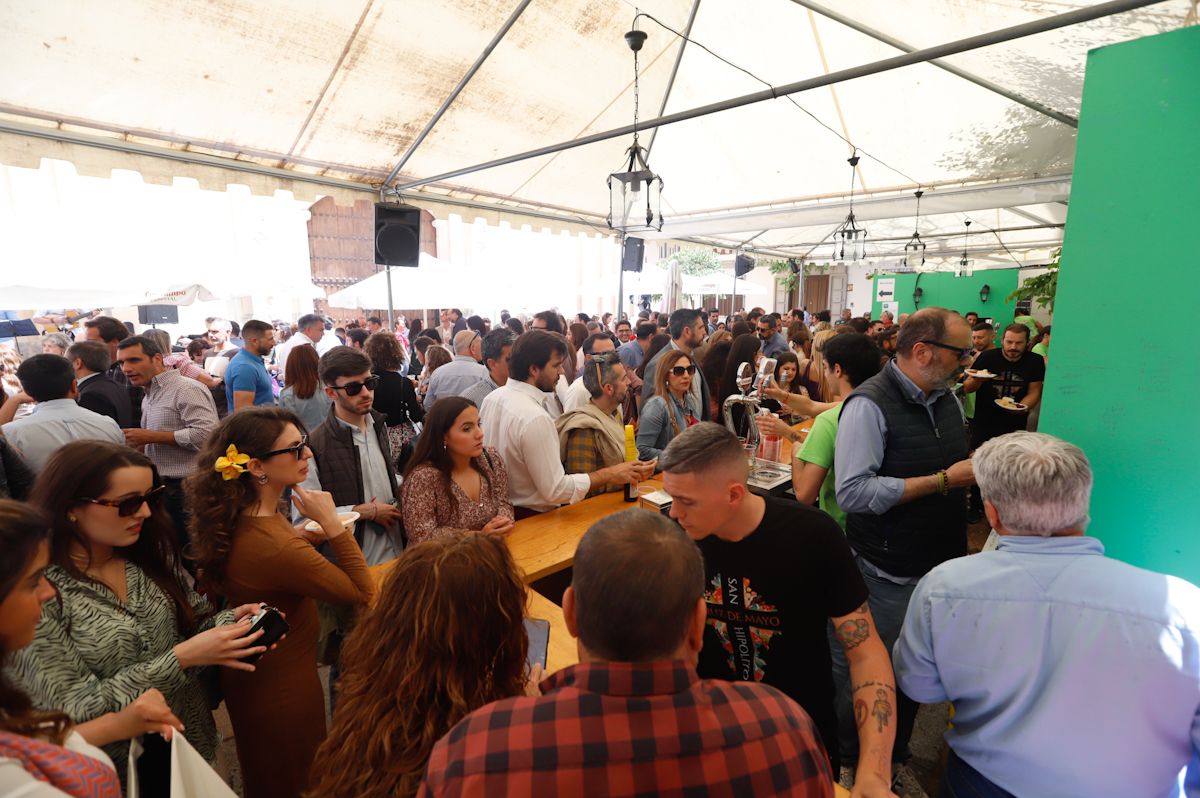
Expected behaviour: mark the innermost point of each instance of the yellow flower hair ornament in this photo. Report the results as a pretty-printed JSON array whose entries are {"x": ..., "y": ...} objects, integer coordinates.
[{"x": 231, "y": 466}]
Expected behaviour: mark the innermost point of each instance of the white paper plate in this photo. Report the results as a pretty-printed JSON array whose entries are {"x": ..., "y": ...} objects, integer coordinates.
[{"x": 345, "y": 518}]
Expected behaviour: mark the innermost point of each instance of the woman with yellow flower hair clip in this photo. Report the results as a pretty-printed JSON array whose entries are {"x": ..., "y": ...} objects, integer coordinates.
[{"x": 244, "y": 546}]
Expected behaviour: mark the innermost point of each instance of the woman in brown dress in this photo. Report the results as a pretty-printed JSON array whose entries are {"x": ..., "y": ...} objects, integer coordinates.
[
  {"x": 245, "y": 546},
  {"x": 454, "y": 482}
]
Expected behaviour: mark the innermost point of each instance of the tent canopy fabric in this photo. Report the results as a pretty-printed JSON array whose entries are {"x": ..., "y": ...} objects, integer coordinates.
[{"x": 343, "y": 89}]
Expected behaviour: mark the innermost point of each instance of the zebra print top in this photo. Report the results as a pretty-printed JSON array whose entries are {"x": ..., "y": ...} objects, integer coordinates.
[{"x": 93, "y": 654}]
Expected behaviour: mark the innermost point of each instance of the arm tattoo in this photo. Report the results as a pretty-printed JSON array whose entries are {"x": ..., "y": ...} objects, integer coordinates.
[
  {"x": 853, "y": 632},
  {"x": 882, "y": 709}
]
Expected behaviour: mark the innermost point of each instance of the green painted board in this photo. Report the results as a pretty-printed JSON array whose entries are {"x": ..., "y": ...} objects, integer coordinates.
[
  {"x": 944, "y": 290},
  {"x": 1123, "y": 381}
]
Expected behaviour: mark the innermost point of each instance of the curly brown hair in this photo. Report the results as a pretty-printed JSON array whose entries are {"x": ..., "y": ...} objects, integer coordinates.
[
  {"x": 384, "y": 351},
  {"x": 215, "y": 502},
  {"x": 22, "y": 530},
  {"x": 446, "y": 638}
]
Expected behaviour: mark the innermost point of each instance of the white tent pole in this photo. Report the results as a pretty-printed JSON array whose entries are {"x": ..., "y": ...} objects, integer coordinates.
[
  {"x": 462, "y": 84},
  {"x": 895, "y": 62},
  {"x": 391, "y": 312},
  {"x": 1059, "y": 116}
]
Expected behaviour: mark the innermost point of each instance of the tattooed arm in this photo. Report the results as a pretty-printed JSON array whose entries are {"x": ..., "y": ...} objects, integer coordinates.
[{"x": 873, "y": 693}]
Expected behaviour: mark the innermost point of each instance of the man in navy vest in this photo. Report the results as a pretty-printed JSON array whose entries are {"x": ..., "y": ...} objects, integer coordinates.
[{"x": 902, "y": 457}]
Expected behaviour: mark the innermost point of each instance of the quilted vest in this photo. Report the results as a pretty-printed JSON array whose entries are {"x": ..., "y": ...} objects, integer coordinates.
[{"x": 912, "y": 538}]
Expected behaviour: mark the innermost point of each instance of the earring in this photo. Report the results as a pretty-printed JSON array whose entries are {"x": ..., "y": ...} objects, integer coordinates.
[
  {"x": 262, "y": 479},
  {"x": 72, "y": 518}
]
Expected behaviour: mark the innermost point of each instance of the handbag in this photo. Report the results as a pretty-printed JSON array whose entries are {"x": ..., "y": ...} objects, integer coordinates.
[
  {"x": 177, "y": 772},
  {"x": 400, "y": 436}
]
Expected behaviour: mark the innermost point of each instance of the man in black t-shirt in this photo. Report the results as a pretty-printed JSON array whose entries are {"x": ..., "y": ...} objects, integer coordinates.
[
  {"x": 1019, "y": 375},
  {"x": 777, "y": 573}
]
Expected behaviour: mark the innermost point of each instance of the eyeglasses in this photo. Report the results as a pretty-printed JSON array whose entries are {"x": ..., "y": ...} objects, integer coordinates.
[
  {"x": 127, "y": 507},
  {"x": 963, "y": 352},
  {"x": 296, "y": 451},
  {"x": 679, "y": 371},
  {"x": 355, "y": 388}
]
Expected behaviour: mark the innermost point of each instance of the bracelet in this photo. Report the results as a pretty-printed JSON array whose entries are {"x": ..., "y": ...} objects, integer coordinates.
[
  {"x": 943, "y": 482},
  {"x": 374, "y": 511}
]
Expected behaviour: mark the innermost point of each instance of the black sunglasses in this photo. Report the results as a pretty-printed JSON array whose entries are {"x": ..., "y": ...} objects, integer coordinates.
[
  {"x": 679, "y": 371},
  {"x": 962, "y": 352},
  {"x": 355, "y": 388},
  {"x": 127, "y": 507},
  {"x": 296, "y": 451}
]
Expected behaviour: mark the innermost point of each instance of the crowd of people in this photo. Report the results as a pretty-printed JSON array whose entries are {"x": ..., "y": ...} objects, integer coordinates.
[{"x": 159, "y": 498}]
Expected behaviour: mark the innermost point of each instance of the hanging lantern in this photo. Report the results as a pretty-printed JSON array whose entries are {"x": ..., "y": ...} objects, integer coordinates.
[
  {"x": 635, "y": 194},
  {"x": 966, "y": 266},
  {"x": 850, "y": 240},
  {"x": 914, "y": 250}
]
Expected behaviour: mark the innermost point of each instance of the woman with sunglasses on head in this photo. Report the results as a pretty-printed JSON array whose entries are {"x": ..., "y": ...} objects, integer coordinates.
[
  {"x": 125, "y": 619},
  {"x": 244, "y": 545},
  {"x": 453, "y": 481},
  {"x": 669, "y": 412},
  {"x": 42, "y": 753}
]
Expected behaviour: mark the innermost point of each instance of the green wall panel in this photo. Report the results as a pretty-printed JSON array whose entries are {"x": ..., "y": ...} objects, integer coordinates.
[
  {"x": 944, "y": 290},
  {"x": 1123, "y": 381}
]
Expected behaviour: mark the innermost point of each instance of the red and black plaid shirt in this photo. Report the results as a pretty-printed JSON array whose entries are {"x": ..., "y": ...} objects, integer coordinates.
[{"x": 625, "y": 729}]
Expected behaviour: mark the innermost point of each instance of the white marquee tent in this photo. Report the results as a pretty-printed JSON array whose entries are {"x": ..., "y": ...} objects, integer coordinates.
[{"x": 329, "y": 96}]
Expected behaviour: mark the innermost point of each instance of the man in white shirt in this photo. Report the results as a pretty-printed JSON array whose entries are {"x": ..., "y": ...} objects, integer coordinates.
[
  {"x": 517, "y": 425},
  {"x": 461, "y": 373},
  {"x": 311, "y": 330},
  {"x": 578, "y": 395},
  {"x": 219, "y": 332},
  {"x": 57, "y": 420}
]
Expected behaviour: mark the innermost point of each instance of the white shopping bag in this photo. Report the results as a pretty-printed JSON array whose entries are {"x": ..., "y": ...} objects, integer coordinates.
[{"x": 191, "y": 776}]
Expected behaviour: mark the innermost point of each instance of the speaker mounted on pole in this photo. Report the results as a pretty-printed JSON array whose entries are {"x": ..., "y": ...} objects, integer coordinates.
[
  {"x": 742, "y": 265},
  {"x": 397, "y": 235},
  {"x": 633, "y": 254}
]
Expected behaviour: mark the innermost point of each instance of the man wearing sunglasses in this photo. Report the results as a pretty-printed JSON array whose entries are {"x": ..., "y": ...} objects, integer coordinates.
[
  {"x": 902, "y": 470},
  {"x": 352, "y": 456},
  {"x": 773, "y": 342},
  {"x": 461, "y": 373},
  {"x": 578, "y": 395}
]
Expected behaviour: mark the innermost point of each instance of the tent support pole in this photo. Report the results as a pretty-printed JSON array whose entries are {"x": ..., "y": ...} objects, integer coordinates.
[
  {"x": 1046, "y": 110},
  {"x": 662, "y": 108},
  {"x": 462, "y": 84},
  {"x": 391, "y": 312},
  {"x": 895, "y": 62}
]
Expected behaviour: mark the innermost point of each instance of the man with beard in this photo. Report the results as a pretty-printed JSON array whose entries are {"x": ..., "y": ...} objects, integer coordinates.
[
  {"x": 902, "y": 470},
  {"x": 247, "y": 382},
  {"x": 591, "y": 437},
  {"x": 1017, "y": 377},
  {"x": 516, "y": 424}
]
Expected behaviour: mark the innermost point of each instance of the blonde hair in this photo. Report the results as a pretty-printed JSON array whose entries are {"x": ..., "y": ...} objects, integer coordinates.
[{"x": 825, "y": 382}]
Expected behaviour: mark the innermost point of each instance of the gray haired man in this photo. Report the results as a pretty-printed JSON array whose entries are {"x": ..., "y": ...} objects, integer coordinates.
[{"x": 1069, "y": 671}]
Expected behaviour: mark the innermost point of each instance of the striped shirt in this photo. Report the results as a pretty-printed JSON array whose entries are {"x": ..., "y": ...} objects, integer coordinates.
[{"x": 185, "y": 407}]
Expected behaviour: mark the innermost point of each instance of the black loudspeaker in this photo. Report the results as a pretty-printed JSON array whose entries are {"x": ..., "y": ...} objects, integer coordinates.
[
  {"x": 397, "y": 235},
  {"x": 631, "y": 258},
  {"x": 158, "y": 314},
  {"x": 794, "y": 265},
  {"x": 742, "y": 265}
]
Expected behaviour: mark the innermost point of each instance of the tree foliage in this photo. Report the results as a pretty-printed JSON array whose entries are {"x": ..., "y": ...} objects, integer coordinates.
[
  {"x": 1042, "y": 289},
  {"x": 693, "y": 262}
]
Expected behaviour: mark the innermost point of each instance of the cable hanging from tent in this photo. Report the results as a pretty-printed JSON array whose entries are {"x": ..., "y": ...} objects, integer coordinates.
[{"x": 789, "y": 98}]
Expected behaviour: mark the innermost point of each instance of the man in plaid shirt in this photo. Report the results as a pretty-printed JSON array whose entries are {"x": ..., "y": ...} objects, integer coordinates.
[{"x": 633, "y": 718}]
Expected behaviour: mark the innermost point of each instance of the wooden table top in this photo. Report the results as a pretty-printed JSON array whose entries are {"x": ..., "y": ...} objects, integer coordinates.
[{"x": 545, "y": 544}]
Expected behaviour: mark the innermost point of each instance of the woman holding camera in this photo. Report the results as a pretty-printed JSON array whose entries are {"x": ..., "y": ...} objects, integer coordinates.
[{"x": 244, "y": 546}]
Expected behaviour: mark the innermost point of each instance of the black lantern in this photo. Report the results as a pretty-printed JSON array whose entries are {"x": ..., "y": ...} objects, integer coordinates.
[
  {"x": 966, "y": 267},
  {"x": 635, "y": 195},
  {"x": 914, "y": 250},
  {"x": 850, "y": 240},
  {"x": 985, "y": 292}
]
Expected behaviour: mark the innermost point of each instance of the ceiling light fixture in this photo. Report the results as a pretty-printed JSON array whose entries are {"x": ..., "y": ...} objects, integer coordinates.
[
  {"x": 849, "y": 240},
  {"x": 635, "y": 195}
]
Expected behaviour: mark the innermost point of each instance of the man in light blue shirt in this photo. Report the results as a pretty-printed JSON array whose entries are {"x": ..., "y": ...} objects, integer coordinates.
[
  {"x": 57, "y": 420},
  {"x": 454, "y": 378},
  {"x": 1070, "y": 673},
  {"x": 247, "y": 383}
]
